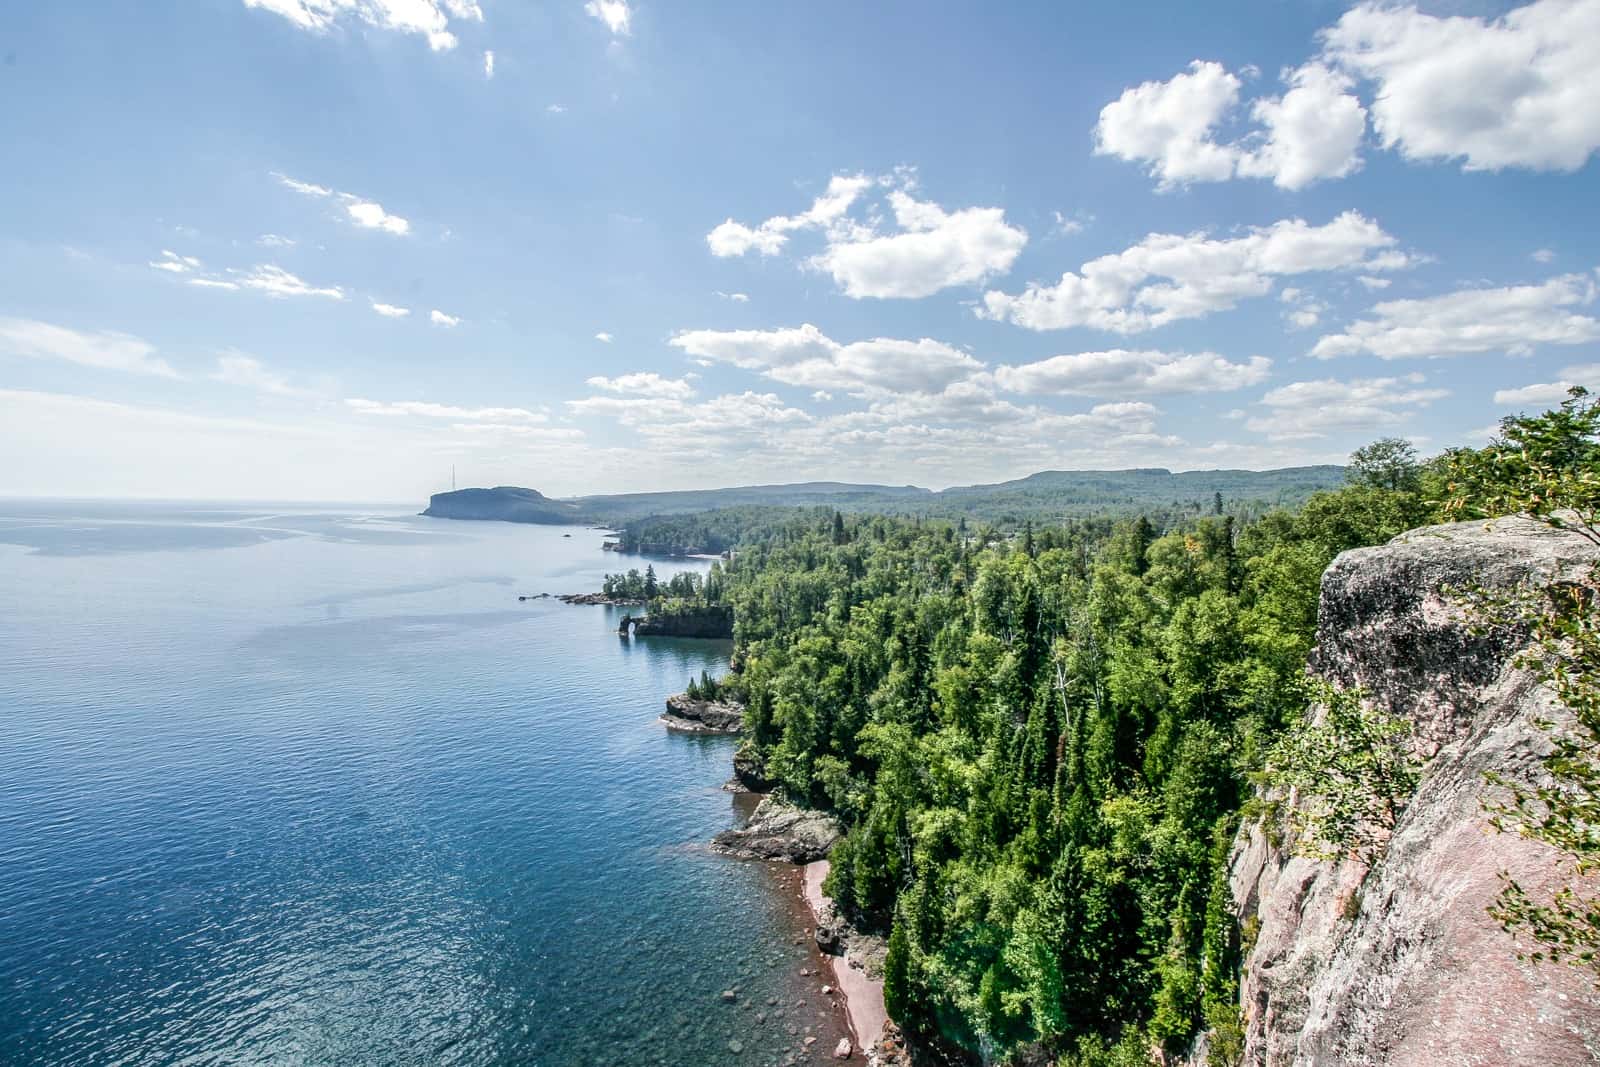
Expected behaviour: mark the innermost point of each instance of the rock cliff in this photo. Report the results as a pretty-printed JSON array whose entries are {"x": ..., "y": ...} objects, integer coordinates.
[{"x": 1399, "y": 964}]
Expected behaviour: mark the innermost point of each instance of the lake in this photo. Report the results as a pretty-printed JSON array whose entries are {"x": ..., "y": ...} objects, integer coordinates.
[{"x": 299, "y": 785}]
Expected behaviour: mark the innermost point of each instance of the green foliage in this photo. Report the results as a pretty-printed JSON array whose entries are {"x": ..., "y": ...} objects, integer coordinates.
[
  {"x": 1039, "y": 744},
  {"x": 1352, "y": 769},
  {"x": 1547, "y": 467},
  {"x": 1389, "y": 464}
]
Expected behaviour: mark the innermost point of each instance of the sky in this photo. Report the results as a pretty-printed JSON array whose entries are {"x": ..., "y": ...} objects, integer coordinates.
[{"x": 332, "y": 249}]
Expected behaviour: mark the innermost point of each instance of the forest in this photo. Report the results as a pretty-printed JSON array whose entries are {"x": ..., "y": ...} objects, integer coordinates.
[{"x": 1042, "y": 741}]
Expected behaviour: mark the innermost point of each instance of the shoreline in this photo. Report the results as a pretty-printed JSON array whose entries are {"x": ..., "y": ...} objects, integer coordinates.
[{"x": 862, "y": 995}]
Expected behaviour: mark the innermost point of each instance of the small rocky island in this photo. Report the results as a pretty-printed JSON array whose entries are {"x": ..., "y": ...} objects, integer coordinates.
[
  {"x": 714, "y": 621},
  {"x": 778, "y": 830}
]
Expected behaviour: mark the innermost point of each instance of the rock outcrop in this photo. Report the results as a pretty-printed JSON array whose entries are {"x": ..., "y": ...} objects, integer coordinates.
[
  {"x": 711, "y": 620},
  {"x": 1400, "y": 964},
  {"x": 781, "y": 831},
  {"x": 702, "y": 716}
]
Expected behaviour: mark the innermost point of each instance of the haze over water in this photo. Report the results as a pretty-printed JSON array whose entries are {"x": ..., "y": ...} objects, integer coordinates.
[{"x": 314, "y": 787}]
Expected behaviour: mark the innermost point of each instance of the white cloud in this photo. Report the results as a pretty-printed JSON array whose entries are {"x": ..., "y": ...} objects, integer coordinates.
[
  {"x": 737, "y": 298},
  {"x": 1542, "y": 255},
  {"x": 488, "y": 63},
  {"x": 1119, "y": 372},
  {"x": 104, "y": 349},
  {"x": 439, "y": 318},
  {"x": 603, "y": 337},
  {"x": 616, "y": 15},
  {"x": 1312, "y": 132},
  {"x": 1511, "y": 319},
  {"x": 303, "y": 188},
  {"x": 1168, "y": 125},
  {"x": 1317, "y": 408},
  {"x": 277, "y": 282},
  {"x": 429, "y": 410},
  {"x": 390, "y": 311},
  {"x": 272, "y": 240},
  {"x": 429, "y": 18},
  {"x": 1549, "y": 394},
  {"x": 370, "y": 215},
  {"x": 644, "y": 383},
  {"x": 935, "y": 250},
  {"x": 174, "y": 263},
  {"x": 213, "y": 283},
  {"x": 804, "y": 356},
  {"x": 1371, "y": 283},
  {"x": 732, "y": 238},
  {"x": 1514, "y": 91},
  {"x": 555, "y": 109},
  {"x": 932, "y": 249},
  {"x": 1169, "y": 277}
]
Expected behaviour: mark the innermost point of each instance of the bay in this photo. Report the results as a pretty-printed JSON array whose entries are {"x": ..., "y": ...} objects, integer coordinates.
[{"x": 311, "y": 786}]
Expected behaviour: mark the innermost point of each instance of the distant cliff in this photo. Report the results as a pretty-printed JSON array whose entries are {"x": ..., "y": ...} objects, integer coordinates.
[
  {"x": 1399, "y": 963},
  {"x": 506, "y": 503}
]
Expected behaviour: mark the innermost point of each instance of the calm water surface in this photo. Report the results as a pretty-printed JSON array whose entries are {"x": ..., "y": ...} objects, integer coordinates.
[{"x": 299, "y": 786}]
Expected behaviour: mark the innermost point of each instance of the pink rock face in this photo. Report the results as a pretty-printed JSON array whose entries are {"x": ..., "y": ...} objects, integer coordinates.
[{"x": 1401, "y": 965}]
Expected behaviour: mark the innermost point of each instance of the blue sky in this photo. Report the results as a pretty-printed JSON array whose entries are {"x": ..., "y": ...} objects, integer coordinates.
[{"x": 325, "y": 249}]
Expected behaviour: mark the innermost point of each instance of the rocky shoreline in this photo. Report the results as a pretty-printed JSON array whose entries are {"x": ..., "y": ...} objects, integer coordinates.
[
  {"x": 689, "y": 716},
  {"x": 781, "y": 832},
  {"x": 601, "y": 599}
]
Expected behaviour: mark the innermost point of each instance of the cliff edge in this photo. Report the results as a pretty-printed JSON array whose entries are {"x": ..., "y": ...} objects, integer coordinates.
[{"x": 1400, "y": 964}]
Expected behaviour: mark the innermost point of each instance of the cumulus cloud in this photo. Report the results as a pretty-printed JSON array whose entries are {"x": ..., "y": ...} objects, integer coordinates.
[
  {"x": 1168, "y": 277},
  {"x": 1512, "y": 319},
  {"x": 1312, "y": 132},
  {"x": 644, "y": 383},
  {"x": 1549, "y": 394},
  {"x": 273, "y": 240},
  {"x": 1511, "y": 91},
  {"x": 616, "y": 14},
  {"x": 428, "y": 18},
  {"x": 804, "y": 356},
  {"x": 277, "y": 282},
  {"x": 439, "y": 318},
  {"x": 929, "y": 248},
  {"x": 1168, "y": 125},
  {"x": 390, "y": 311},
  {"x": 1119, "y": 372},
  {"x": 603, "y": 337},
  {"x": 103, "y": 349},
  {"x": 737, "y": 298},
  {"x": 1312, "y": 409},
  {"x": 935, "y": 250},
  {"x": 429, "y": 410},
  {"x": 732, "y": 238}
]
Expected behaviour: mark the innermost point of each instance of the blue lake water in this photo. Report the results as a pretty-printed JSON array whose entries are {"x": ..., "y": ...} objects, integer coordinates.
[{"x": 301, "y": 786}]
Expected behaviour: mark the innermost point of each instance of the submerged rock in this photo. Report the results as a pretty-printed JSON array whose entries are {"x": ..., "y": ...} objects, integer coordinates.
[
  {"x": 780, "y": 831},
  {"x": 1399, "y": 963},
  {"x": 702, "y": 716}
]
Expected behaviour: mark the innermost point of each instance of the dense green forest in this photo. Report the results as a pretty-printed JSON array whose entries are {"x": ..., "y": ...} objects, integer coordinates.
[{"x": 1043, "y": 741}]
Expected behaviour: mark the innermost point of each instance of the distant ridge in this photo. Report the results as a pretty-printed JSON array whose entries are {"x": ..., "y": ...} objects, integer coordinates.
[{"x": 1041, "y": 495}]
